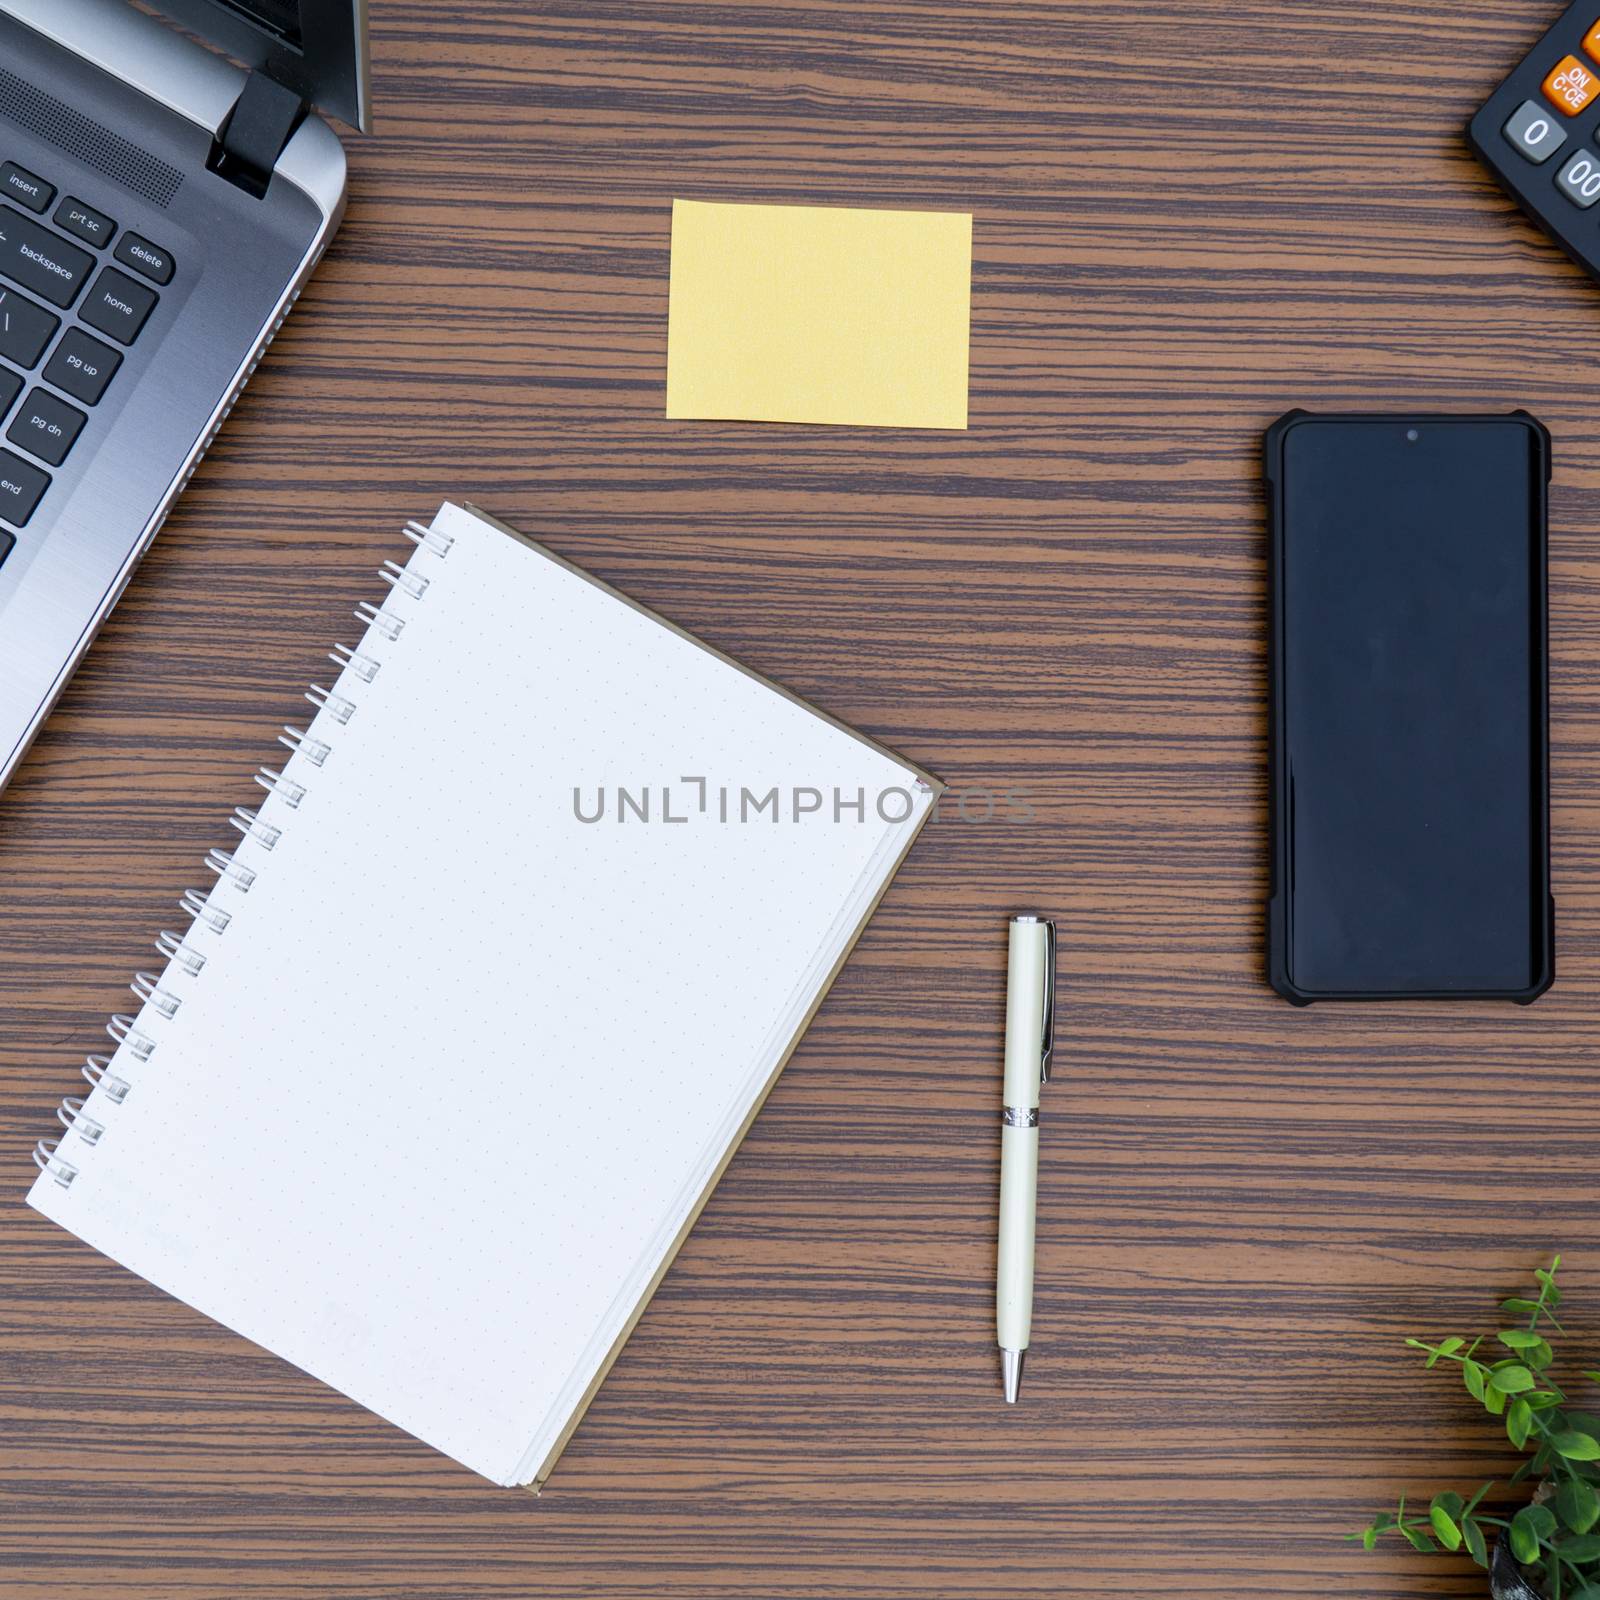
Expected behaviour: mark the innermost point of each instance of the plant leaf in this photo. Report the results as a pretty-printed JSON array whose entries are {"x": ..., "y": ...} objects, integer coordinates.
[
  {"x": 1472, "y": 1376},
  {"x": 1522, "y": 1308},
  {"x": 1519, "y": 1339},
  {"x": 1541, "y": 1519},
  {"x": 1472, "y": 1504},
  {"x": 1510, "y": 1378},
  {"x": 1445, "y": 1347},
  {"x": 1519, "y": 1422},
  {"x": 1444, "y": 1527},
  {"x": 1420, "y": 1541},
  {"x": 1576, "y": 1446},
  {"x": 1524, "y": 1541},
  {"x": 1494, "y": 1402},
  {"x": 1450, "y": 1502},
  {"x": 1577, "y": 1504},
  {"x": 1579, "y": 1547},
  {"x": 1473, "y": 1536}
]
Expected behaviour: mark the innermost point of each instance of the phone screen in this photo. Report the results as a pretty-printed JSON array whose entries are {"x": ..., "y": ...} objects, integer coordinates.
[{"x": 1411, "y": 588}]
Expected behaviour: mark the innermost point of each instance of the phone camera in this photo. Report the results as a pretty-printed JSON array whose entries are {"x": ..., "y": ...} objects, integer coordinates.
[{"x": 1411, "y": 435}]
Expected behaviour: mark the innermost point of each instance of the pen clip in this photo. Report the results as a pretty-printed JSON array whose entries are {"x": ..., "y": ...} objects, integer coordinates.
[{"x": 1047, "y": 1045}]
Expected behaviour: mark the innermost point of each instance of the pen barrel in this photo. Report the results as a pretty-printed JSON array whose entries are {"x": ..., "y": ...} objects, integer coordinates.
[{"x": 1019, "y": 1184}]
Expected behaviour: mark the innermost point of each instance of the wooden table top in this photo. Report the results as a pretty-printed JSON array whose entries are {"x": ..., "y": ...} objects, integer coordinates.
[{"x": 1187, "y": 220}]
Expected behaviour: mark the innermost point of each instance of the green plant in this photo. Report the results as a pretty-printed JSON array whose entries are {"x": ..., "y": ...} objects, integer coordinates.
[{"x": 1554, "y": 1537}]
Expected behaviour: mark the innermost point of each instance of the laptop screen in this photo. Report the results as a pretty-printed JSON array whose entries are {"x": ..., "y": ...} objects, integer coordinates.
[{"x": 317, "y": 47}]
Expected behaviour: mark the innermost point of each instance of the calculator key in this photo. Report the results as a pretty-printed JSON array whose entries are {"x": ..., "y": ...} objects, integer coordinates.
[
  {"x": 1571, "y": 86},
  {"x": 20, "y": 184},
  {"x": 117, "y": 305},
  {"x": 93, "y": 227},
  {"x": 81, "y": 366},
  {"x": 1591, "y": 43},
  {"x": 46, "y": 427},
  {"x": 41, "y": 261},
  {"x": 25, "y": 329},
  {"x": 150, "y": 259},
  {"x": 21, "y": 486},
  {"x": 10, "y": 388},
  {"x": 1579, "y": 180},
  {"x": 1532, "y": 132}
]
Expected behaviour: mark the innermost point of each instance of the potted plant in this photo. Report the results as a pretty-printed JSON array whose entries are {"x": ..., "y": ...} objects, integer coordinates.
[{"x": 1549, "y": 1549}]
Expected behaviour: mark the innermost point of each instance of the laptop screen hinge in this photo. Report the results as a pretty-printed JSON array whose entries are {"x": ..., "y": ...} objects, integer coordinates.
[{"x": 249, "y": 142}]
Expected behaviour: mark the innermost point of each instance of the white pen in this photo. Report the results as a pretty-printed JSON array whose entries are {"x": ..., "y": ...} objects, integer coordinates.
[{"x": 1030, "y": 1040}]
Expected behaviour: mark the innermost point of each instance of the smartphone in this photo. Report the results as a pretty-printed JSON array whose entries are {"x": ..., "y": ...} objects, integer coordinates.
[{"x": 1408, "y": 724}]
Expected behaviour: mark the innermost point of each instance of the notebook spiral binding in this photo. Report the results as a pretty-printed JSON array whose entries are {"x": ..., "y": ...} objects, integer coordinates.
[{"x": 160, "y": 1004}]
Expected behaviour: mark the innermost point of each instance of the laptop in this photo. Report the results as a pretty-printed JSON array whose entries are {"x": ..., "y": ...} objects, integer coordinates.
[{"x": 166, "y": 188}]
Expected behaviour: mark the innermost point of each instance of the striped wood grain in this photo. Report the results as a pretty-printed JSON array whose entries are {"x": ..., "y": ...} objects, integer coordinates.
[{"x": 1187, "y": 220}]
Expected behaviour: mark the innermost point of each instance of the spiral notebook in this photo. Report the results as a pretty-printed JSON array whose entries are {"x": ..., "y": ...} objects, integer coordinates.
[{"x": 482, "y": 1001}]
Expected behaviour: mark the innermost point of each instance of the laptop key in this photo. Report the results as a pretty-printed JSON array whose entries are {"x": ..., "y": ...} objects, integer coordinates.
[
  {"x": 82, "y": 366},
  {"x": 150, "y": 259},
  {"x": 117, "y": 305},
  {"x": 20, "y": 184},
  {"x": 93, "y": 227},
  {"x": 46, "y": 427},
  {"x": 7, "y": 544},
  {"x": 25, "y": 329},
  {"x": 10, "y": 388},
  {"x": 40, "y": 261},
  {"x": 22, "y": 485}
]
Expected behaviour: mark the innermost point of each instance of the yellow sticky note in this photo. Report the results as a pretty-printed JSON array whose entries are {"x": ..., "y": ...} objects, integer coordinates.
[{"x": 819, "y": 314}]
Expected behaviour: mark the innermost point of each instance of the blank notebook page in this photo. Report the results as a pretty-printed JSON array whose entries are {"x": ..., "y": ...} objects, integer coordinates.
[{"x": 432, "y": 1114}]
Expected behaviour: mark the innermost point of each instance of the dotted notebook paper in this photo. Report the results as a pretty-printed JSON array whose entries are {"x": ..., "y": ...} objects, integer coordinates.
[{"x": 516, "y": 960}]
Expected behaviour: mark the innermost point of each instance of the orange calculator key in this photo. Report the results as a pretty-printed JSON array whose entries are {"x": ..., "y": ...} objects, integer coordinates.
[
  {"x": 1591, "y": 43},
  {"x": 1571, "y": 86}
]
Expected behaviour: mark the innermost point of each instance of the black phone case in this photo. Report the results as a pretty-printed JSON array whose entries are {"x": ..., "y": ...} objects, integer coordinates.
[{"x": 1542, "y": 955}]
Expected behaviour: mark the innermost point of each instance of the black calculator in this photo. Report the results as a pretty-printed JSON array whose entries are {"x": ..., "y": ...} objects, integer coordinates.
[{"x": 1539, "y": 134}]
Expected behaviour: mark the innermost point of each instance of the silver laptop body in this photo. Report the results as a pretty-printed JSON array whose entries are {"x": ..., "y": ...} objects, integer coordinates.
[{"x": 160, "y": 209}]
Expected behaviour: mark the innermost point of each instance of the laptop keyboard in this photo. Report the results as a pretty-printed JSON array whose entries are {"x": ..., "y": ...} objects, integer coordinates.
[{"x": 43, "y": 274}]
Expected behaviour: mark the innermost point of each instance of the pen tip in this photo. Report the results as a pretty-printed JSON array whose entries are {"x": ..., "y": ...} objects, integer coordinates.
[{"x": 1011, "y": 1365}]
